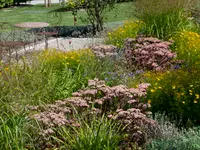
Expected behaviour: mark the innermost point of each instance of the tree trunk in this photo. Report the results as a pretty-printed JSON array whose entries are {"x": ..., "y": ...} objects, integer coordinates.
[
  {"x": 45, "y": 2},
  {"x": 98, "y": 16},
  {"x": 49, "y": 3}
]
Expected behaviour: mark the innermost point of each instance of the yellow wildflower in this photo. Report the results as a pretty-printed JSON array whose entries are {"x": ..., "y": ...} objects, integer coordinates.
[
  {"x": 197, "y": 96},
  {"x": 152, "y": 90},
  {"x": 149, "y": 101},
  {"x": 173, "y": 87},
  {"x": 183, "y": 102},
  {"x": 195, "y": 101}
]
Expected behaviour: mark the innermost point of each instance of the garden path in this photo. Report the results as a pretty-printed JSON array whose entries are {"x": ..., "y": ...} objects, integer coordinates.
[
  {"x": 65, "y": 44},
  {"x": 35, "y": 2}
]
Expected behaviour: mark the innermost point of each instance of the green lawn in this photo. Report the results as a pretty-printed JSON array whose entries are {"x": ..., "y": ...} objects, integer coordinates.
[{"x": 39, "y": 13}]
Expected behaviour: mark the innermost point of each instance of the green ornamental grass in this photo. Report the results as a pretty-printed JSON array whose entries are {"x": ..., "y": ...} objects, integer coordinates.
[
  {"x": 97, "y": 133},
  {"x": 163, "y": 18}
]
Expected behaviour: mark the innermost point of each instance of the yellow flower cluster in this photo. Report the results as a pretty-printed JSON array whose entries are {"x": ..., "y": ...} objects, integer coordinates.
[
  {"x": 160, "y": 83},
  {"x": 188, "y": 45},
  {"x": 128, "y": 30},
  {"x": 77, "y": 56},
  {"x": 191, "y": 40},
  {"x": 52, "y": 55},
  {"x": 66, "y": 58}
]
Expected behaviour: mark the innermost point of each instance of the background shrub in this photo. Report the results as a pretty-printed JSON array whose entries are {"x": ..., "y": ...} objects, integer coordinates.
[
  {"x": 4, "y": 3},
  {"x": 8, "y": 3}
]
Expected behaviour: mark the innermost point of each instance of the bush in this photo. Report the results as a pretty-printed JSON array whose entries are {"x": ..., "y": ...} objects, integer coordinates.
[
  {"x": 163, "y": 18},
  {"x": 118, "y": 103},
  {"x": 176, "y": 92},
  {"x": 7, "y": 3},
  {"x": 171, "y": 137},
  {"x": 148, "y": 53},
  {"x": 69, "y": 5},
  {"x": 20, "y": 1},
  {"x": 187, "y": 47},
  {"x": 4, "y": 3},
  {"x": 130, "y": 29}
]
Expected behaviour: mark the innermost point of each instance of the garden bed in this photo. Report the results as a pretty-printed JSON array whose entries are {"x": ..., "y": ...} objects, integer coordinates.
[{"x": 139, "y": 90}]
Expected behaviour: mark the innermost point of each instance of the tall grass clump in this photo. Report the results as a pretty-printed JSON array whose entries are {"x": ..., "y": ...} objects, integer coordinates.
[
  {"x": 94, "y": 134},
  {"x": 43, "y": 77},
  {"x": 162, "y": 18},
  {"x": 50, "y": 75},
  {"x": 13, "y": 135}
]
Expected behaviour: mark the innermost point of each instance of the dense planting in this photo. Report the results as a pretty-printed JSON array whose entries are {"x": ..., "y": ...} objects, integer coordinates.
[{"x": 109, "y": 96}]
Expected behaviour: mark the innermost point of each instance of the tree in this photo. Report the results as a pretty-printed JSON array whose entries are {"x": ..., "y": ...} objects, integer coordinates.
[
  {"x": 47, "y": 3},
  {"x": 96, "y": 11}
]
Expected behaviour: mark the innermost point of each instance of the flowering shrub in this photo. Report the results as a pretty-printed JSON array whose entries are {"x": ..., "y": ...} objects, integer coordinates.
[
  {"x": 187, "y": 46},
  {"x": 148, "y": 53},
  {"x": 130, "y": 29},
  {"x": 118, "y": 103},
  {"x": 176, "y": 92}
]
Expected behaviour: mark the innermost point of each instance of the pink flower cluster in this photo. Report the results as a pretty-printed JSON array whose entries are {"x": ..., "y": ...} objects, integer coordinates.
[
  {"x": 118, "y": 103},
  {"x": 102, "y": 50},
  {"x": 149, "y": 53}
]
